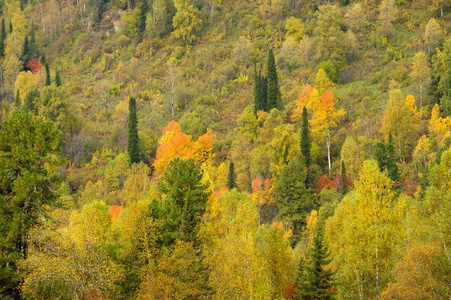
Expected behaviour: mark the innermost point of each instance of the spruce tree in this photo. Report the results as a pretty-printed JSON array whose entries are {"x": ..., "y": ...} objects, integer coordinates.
[
  {"x": 142, "y": 18},
  {"x": 2, "y": 39},
  {"x": 48, "y": 81},
  {"x": 26, "y": 54},
  {"x": 306, "y": 141},
  {"x": 344, "y": 185},
  {"x": 386, "y": 158},
  {"x": 273, "y": 93},
  {"x": 57, "y": 78},
  {"x": 317, "y": 281},
  {"x": 133, "y": 140},
  {"x": 231, "y": 182},
  {"x": 10, "y": 26},
  {"x": 259, "y": 92}
]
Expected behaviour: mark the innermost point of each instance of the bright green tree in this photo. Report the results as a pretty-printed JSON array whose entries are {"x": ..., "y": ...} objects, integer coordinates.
[
  {"x": 317, "y": 280},
  {"x": 185, "y": 202},
  {"x": 29, "y": 148},
  {"x": 133, "y": 139},
  {"x": 186, "y": 21},
  {"x": 292, "y": 197}
]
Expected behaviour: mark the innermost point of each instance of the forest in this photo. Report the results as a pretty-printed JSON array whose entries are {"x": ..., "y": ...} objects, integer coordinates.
[{"x": 225, "y": 149}]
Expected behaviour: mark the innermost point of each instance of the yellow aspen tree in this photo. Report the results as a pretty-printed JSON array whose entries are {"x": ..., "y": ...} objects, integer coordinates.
[{"x": 401, "y": 119}]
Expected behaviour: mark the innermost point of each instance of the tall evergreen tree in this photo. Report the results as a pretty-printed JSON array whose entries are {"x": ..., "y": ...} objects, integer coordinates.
[
  {"x": 26, "y": 54},
  {"x": 231, "y": 182},
  {"x": 386, "y": 158},
  {"x": 28, "y": 189},
  {"x": 57, "y": 78},
  {"x": 344, "y": 185},
  {"x": 260, "y": 92},
  {"x": 142, "y": 18},
  {"x": 133, "y": 140},
  {"x": 185, "y": 202},
  {"x": 2, "y": 39},
  {"x": 317, "y": 281},
  {"x": 306, "y": 141},
  {"x": 10, "y": 26},
  {"x": 293, "y": 198},
  {"x": 48, "y": 81},
  {"x": 273, "y": 92}
]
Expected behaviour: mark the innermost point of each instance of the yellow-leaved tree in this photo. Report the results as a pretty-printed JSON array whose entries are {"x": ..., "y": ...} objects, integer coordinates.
[
  {"x": 369, "y": 220},
  {"x": 324, "y": 121},
  {"x": 402, "y": 121}
]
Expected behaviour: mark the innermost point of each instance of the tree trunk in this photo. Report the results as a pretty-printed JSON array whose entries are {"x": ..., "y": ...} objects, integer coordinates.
[{"x": 328, "y": 154}]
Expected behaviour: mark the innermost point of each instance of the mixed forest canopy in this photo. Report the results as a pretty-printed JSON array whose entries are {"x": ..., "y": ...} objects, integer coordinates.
[{"x": 239, "y": 149}]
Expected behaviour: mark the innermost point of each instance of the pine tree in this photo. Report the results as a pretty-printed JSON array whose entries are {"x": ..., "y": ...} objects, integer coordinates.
[
  {"x": 259, "y": 92},
  {"x": 48, "y": 81},
  {"x": 306, "y": 141},
  {"x": 185, "y": 202},
  {"x": 386, "y": 158},
  {"x": 10, "y": 26},
  {"x": 317, "y": 281},
  {"x": 231, "y": 182},
  {"x": 273, "y": 92},
  {"x": 344, "y": 185},
  {"x": 26, "y": 54},
  {"x": 2, "y": 39},
  {"x": 133, "y": 140},
  {"x": 142, "y": 18},
  {"x": 57, "y": 78}
]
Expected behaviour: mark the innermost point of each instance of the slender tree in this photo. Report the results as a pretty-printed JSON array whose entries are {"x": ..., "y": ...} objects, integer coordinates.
[
  {"x": 133, "y": 140},
  {"x": 10, "y": 26},
  {"x": 273, "y": 92},
  {"x": 48, "y": 81},
  {"x": 142, "y": 18},
  {"x": 317, "y": 281},
  {"x": 306, "y": 140},
  {"x": 386, "y": 158},
  {"x": 57, "y": 78},
  {"x": 26, "y": 54},
  {"x": 17, "y": 99},
  {"x": 2, "y": 39},
  {"x": 231, "y": 182},
  {"x": 344, "y": 185}
]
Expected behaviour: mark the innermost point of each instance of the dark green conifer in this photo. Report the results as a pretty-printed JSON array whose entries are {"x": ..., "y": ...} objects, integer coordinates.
[
  {"x": 386, "y": 158},
  {"x": 57, "y": 78},
  {"x": 133, "y": 140},
  {"x": 26, "y": 54},
  {"x": 231, "y": 182},
  {"x": 317, "y": 281},
  {"x": 10, "y": 26},
  {"x": 306, "y": 141},
  {"x": 142, "y": 18},
  {"x": 273, "y": 93},
  {"x": 48, "y": 81},
  {"x": 2, "y": 39},
  {"x": 344, "y": 184},
  {"x": 259, "y": 92}
]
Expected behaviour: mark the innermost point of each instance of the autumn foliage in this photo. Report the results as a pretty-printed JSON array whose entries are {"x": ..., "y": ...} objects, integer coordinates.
[{"x": 174, "y": 143}]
